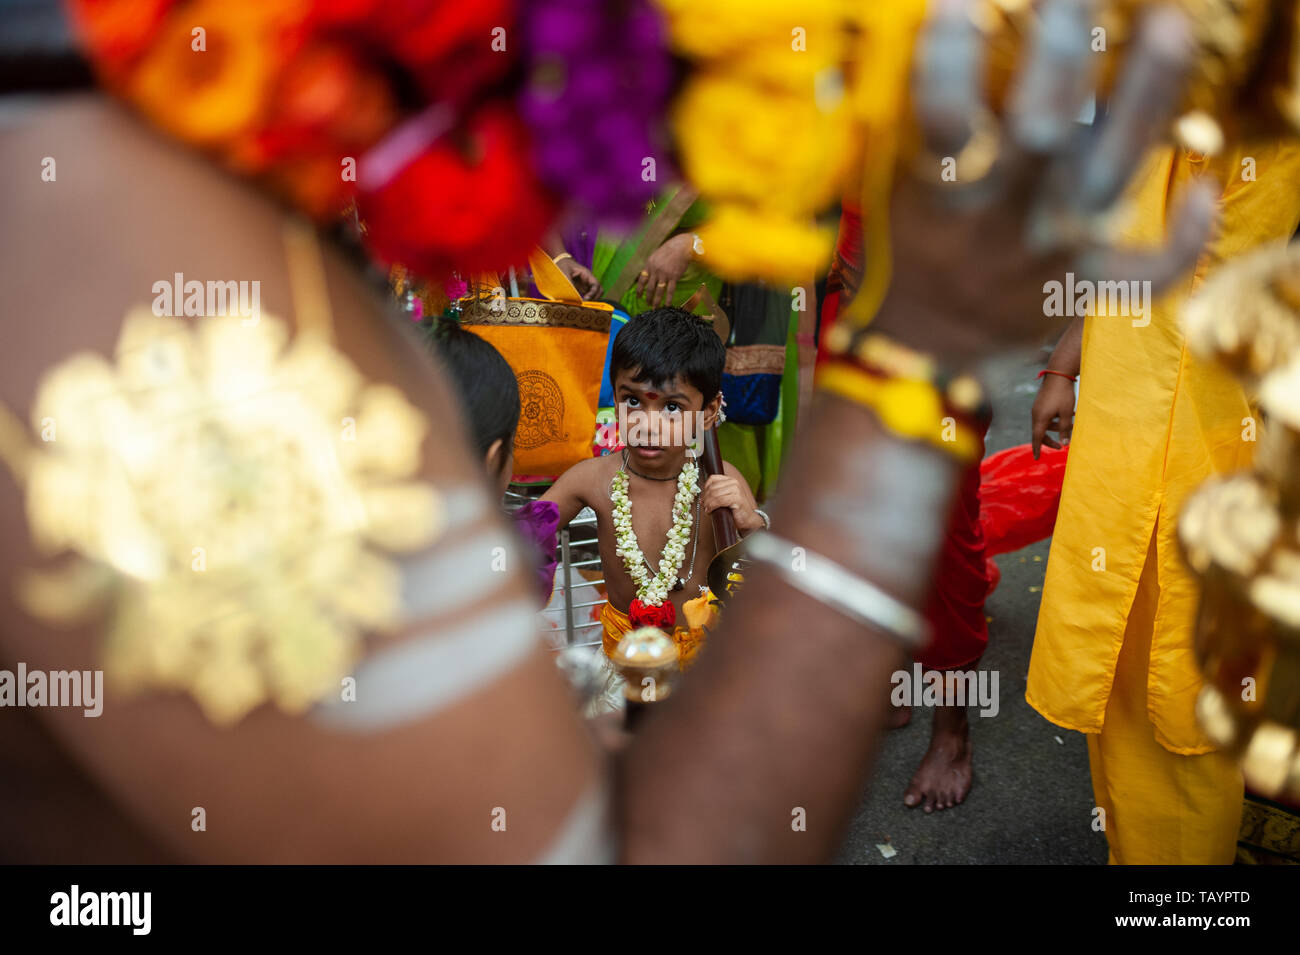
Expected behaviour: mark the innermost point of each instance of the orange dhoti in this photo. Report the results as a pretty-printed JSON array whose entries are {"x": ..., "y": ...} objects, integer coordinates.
[{"x": 617, "y": 624}]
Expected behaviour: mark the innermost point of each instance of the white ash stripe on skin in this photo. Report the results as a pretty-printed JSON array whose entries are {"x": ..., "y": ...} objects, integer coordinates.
[
  {"x": 449, "y": 579},
  {"x": 585, "y": 838},
  {"x": 436, "y": 668}
]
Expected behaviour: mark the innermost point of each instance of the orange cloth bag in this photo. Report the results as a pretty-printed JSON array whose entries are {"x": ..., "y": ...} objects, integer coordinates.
[{"x": 556, "y": 346}]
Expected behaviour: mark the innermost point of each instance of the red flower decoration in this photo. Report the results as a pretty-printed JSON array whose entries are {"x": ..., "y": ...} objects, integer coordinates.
[
  {"x": 345, "y": 13},
  {"x": 452, "y": 48},
  {"x": 467, "y": 202},
  {"x": 116, "y": 32},
  {"x": 328, "y": 105},
  {"x": 292, "y": 91},
  {"x": 643, "y": 615}
]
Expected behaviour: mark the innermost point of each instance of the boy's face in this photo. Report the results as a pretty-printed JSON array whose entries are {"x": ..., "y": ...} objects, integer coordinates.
[{"x": 659, "y": 420}]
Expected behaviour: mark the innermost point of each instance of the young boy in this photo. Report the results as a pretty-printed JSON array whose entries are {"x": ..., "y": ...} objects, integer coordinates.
[{"x": 667, "y": 376}]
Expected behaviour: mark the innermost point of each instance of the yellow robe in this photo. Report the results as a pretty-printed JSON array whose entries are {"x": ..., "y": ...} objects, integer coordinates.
[{"x": 1152, "y": 423}]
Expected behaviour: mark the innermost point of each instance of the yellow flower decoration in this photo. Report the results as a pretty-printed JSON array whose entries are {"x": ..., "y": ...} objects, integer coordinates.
[
  {"x": 724, "y": 29},
  {"x": 224, "y": 488},
  {"x": 772, "y": 137},
  {"x": 738, "y": 240},
  {"x": 764, "y": 128}
]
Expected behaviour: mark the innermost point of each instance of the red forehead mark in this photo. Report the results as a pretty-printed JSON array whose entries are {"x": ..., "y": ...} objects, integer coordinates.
[{"x": 652, "y": 395}]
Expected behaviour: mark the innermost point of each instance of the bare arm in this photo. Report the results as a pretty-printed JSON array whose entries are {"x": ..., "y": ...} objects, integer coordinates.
[
  {"x": 552, "y": 244},
  {"x": 1053, "y": 409},
  {"x": 780, "y": 714},
  {"x": 1069, "y": 350},
  {"x": 425, "y": 785},
  {"x": 583, "y": 280},
  {"x": 571, "y": 491},
  {"x": 730, "y": 489},
  {"x": 420, "y": 784}
]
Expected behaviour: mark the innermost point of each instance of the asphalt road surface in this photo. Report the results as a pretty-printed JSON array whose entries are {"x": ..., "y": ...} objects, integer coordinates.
[{"x": 1032, "y": 798}]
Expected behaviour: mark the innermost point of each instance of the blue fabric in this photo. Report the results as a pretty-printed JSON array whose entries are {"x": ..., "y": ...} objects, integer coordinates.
[
  {"x": 616, "y": 323},
  {"x": 751, "y": 399}
]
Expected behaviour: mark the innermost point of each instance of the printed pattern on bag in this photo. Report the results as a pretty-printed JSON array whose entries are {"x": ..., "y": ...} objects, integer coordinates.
[
  {"x": 525, "y": 312},
  {"x": 541, "y": 410}
]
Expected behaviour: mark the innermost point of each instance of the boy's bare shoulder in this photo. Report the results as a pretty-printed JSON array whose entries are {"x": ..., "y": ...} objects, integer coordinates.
[{"x": 594, "y": 474}]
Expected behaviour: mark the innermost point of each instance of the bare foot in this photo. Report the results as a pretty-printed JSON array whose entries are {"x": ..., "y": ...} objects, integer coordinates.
[
  {"x": 898, "y": 717},
  {"x": 944, "y": 777}
]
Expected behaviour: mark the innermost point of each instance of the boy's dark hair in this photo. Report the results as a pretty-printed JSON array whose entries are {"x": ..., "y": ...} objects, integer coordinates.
[
  {"x": 667, "y": 343},
  {"x": 484, "y": 382}
]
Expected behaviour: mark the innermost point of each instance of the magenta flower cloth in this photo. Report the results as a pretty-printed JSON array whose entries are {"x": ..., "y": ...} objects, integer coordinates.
[{"x": 538, "y": 523}]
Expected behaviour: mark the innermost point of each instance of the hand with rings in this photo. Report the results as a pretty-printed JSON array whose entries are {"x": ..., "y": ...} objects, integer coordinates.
[
  {"x": 657, "y": 283},
  {"x": 972, "y": 250}
]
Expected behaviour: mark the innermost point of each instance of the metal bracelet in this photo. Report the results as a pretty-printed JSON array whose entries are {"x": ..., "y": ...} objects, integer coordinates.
[
  {"x": 767, "y": 521},
  {"x": 829, "y": 583}
]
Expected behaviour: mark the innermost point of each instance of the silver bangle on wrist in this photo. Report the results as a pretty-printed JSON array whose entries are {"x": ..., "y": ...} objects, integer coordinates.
[
  {"x": 767, "y": 521},
  {"x": 829, "y": 583}
]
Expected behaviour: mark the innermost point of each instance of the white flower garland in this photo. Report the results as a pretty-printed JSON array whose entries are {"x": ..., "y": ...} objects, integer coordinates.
[{"x": 654, "y": 591}]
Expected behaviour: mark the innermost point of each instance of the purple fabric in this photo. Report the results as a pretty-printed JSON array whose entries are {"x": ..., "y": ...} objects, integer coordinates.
[
  {"x": 538, "y": 523},
  {"x": 599, "y": 76},
  {"x": 580, "y": 242}
]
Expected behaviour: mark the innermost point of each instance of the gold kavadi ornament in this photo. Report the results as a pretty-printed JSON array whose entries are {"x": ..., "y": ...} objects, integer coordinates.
[
  {"x": 228, "y": 494},
  {"x": 1240, "y": 532}
]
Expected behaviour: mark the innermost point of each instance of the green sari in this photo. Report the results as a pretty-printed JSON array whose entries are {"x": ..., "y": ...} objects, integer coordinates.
[{"x": 623, "y": 256}]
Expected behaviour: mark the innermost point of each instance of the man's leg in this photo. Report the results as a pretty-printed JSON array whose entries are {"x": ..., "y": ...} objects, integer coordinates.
[
  {"x": 1160, "y": 808},
  {"x": 956, "y": 616}
]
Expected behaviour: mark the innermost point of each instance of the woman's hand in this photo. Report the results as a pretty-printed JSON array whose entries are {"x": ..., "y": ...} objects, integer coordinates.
[
  {"x": 724, "y": 490},
  {"x": 583, "y": 279},
  {"x": 1053, "y": 411},
  {"x": 664, "y": 269}
]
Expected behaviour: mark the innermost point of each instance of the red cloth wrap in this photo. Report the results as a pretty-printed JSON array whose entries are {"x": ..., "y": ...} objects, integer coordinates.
[
  {"x": 959, "y": 629},
  {"x": 643, "y": 615}
]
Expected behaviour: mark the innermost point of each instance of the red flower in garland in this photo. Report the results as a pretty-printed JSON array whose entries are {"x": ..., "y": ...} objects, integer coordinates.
[
  {"x": 453, "y": 48},
  {"x": 327, "y": 94},
  {"x": 328, "y": 105},
  {"x": 347, "y": 14},
  {"x": 467, "y": 201},
  {"x": 116, "y": 32},
  {"x": 643, "y": 615},
  {"x": 291, "y": 91}
]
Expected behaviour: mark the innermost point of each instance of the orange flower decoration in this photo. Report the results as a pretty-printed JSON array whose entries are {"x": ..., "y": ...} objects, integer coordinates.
[
  {"x": 209, "y": 74},
  {"x": 327, "y": 106},
  {"x": 293, "y": 91}
]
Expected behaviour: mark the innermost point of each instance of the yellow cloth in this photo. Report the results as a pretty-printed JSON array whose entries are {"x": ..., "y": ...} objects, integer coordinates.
[
  {"x": 1137, "y": 781},
  {"x": 617, "y": 625},
  {"x": 1152, "y": 423},
  {"x": 882, "y": 107}
]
